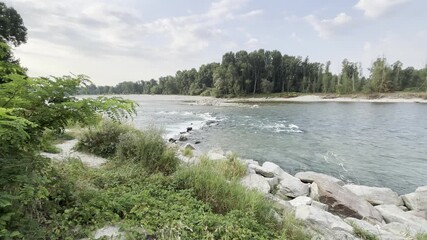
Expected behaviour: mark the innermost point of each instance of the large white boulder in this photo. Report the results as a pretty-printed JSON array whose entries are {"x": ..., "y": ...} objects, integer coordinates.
[
  {"x": 416, "y": 200},
  {"x": 374, "y": 230},
  {"x": 309, "y": 177},
  {"x": 344, "y": 203},
  {"x": 261, "y": 171},
  {"x": 291, "y": 186},
  {"x": 329, "y": 225},
  {"x": 272, "y": 168},
  {"x": 301, "y": 200},
  {"x": 376, "y": 195},
  {"x": 392, "y": 213},
  {"x": 257, "y": 182}
]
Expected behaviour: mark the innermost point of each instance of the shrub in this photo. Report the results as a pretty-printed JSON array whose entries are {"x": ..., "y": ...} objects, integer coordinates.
[
  {"x": 187, "y": 152},
  {"x": 148, "y": 149},
  {"x": 103, "y": 139}
]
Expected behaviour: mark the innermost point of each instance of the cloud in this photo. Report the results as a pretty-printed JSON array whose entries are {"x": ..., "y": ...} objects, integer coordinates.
[
  {"x": 377, "y": 8},
  {"x": 327, "y": 27}
]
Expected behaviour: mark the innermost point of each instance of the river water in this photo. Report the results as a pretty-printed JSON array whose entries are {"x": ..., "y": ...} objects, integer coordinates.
[{"x": 374, "y": 144}]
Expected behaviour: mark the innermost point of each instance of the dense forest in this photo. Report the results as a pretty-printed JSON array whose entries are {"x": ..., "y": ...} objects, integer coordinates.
[{"x": 262, "y": 71}]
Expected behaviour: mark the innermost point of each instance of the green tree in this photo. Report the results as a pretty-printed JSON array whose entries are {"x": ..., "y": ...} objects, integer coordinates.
[{"x": 12, "y": 29}]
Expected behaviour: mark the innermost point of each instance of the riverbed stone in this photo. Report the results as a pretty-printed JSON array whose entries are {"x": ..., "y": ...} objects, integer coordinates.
[
  {"x": 375, "y": 195},
  {"x": 392, "y": 213},
  {"x": 329, "y": 225},
  {"x": 257, "y": 182},
  {"x": 309, "y": 177},
  {"x": 375, "y": 230},
  {"x": 291, "y": 186},
  {"x": 344, "y": 203},
  {"x": 416, "y": 200},
  {"x": 261, "y": 171},
  {"x": 301, "y": 200}
]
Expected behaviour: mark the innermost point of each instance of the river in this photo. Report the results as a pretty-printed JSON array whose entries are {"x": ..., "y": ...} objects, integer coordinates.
[{"x": 374, "y": 144}]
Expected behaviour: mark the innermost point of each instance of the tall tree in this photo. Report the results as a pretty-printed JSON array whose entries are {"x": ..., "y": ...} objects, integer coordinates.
[{"x": 12, "y": 29}]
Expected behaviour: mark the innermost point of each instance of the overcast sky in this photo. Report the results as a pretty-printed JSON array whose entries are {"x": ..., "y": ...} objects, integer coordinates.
[{"x": 129, "y": 40}]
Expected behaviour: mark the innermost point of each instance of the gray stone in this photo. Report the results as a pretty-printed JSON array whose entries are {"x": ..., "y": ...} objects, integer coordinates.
[
  {"x": 309, "y": 177},
  {"x": 421, "y": 189},
  {"x": 375, "y": 195},
  {"x": 272, "y": 168},
  {"x": 416, "y": 200},
  {"x": 319, "y": 205},
  {"x": 291, "y": 186},
  {"x": 344, "y": 203},
  {"x": 247, "y": 162},
  {"x": 314, "y": 191},
  {"x": 109, "y": 232},
  {"x": 399, "y": 229},
  {"x": 329, "y": 225},
  {"x": 301, "y": 200},
  {"x": 280, "y": 204},
  {"x": 261, "y": 171},
  {"x": 216, "y": 154},
  {"x": 189, "y": 146},
  {"x": 421, "y": 214},
  {"x": 373, "y": 230},
  {"x": 257, "y": 182},
  {"x": 392, "y": 213},
  {"x": 183, "y": 138},
  {"x": 274, "y": 181}
]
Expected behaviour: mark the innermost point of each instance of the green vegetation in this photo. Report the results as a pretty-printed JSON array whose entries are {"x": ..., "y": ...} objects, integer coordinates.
[
  {"x": 187, "y": 152},
  {"x": 363, "y": 234},
  {"x": 273, "y": 74}
]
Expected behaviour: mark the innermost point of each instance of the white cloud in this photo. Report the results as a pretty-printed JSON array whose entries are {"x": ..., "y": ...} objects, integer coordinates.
[
  {"x": 376, "y": 8},
  {"x": 327, "y": 27}
]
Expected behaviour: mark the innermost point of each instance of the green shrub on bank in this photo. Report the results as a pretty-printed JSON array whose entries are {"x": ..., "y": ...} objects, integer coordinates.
[
  {"x": 210, "y": 182},
  {"x": 147, "y": 148},
  {"x": 103, "y": 139}
]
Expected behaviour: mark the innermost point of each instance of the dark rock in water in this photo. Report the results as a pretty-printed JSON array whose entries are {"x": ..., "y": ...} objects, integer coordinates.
[
  {"x": 210, "y": 122},
  {"x": 182, "y": 132},
  {"x": 183, "y": 138},
  {"x": 189, "y": 129},
  {"x": 172, "y": 140},
  {"x": 197, "y": 142}
]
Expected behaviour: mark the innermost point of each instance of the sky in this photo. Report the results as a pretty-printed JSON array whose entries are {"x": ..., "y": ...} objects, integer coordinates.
[{"x": 129, "y": 40}]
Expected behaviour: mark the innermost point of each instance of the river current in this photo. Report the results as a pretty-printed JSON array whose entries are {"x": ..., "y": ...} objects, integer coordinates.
[{"x": 374, "y": 144}]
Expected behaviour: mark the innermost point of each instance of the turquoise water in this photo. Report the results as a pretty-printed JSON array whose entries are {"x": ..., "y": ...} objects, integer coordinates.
[{"x": 375, "y": 144}]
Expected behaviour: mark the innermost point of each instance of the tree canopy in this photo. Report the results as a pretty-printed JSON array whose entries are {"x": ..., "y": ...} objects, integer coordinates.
[{"x": 12, "y": 29}]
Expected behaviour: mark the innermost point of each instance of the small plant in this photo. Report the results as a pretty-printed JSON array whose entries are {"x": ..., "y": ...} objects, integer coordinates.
[
  {"x": 421, "y": 236},
  {"x": 187, "y": 152},
  {"x": 363, "y": 234},
  {"x": 292, "y": 228}
]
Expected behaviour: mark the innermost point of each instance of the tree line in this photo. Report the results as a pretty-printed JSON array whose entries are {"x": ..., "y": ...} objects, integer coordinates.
[{"x": 244, "y": 73}]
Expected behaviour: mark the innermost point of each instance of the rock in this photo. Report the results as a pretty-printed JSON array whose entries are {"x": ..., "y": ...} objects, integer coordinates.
[
  {"x": 326, "y": 223},
  {"x": 399, "y": 229},
  {"x": 272, "y": 168},
  {"x": 291, "y": 186},
  {"x": 319, "y": 205},
  {"x": 309, "y": 177},
  {"x": 210, "y": 122},
  {"x": 421, "y": 214},
  {"x": 403, "y": 208},
  {"x": 109, "y": 232},
  {"x": 421, "y": 189},
  {"x": 250, "y": 161},
  {"x": 376, "y": 195},
  {"x": 216, "y": 154},
  {"x": 183, "y": 138},
  {"x": 373, "y": 230},
  {"x": 197, "y": 142},
  {"x": 189, "y": 129},
  {"x": 314, "y": 191},
  {"x": 416, "y": 200},
  {"x": 260, "y": 170},
  {"x": 392, "y": 213},
  {"x": 301, "y": 200},
  {"x": 255, "y": 181},
  {"x": 344, "y": 203},
  {"x": 189, "y": 146},
  {"x": 274, "y": 181},
  {"x": 172, "y": 140},
  {"x": 280, "y": 204}
]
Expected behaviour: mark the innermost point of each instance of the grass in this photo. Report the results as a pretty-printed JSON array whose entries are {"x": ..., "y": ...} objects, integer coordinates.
[
  {"x": 187, "y": 152},
  {"x": 421, "y": 236},
  {"x": 363, "y": 234}
]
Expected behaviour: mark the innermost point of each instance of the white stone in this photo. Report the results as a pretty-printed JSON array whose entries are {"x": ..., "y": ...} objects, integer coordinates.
[
  {"x": 257, "y": 182},
  {"x": 326, "y": 223},
  {"x": 261, "y": 171},
  {"x": 291, "y": 186},
  {"x": 319, "y": 205},
  {"x": 273, "y": 168},
  {"x": 421, "y": 214},
  {"x": 310, "y": 177},
  {"x": 189, "y": 146},
  {"x": 392, "y": 213},
  {"x": 110, "y": 232},
  {"x": 373, "y": 229},
  {"x": 280, "y": 204},
  {"x": 399, "y": 229},
  {"x": 416, "y": 200},
  {"x": 421, "y": 189},
  {"x": 375, "y": 195},
  {"x": 274, "y": 181},
  {"x": 216, "y": 154},
  {"x": 314, "y": 191},
  {"x": 301, "y": 200}
]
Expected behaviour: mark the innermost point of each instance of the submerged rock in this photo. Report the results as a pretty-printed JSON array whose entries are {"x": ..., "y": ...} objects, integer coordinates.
[
  {"x": 309, "y": 177},
  {"x": 344, "y": 203},
  {"x": 183, "y": 138},
  {"x": 376, "y": 195}
]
